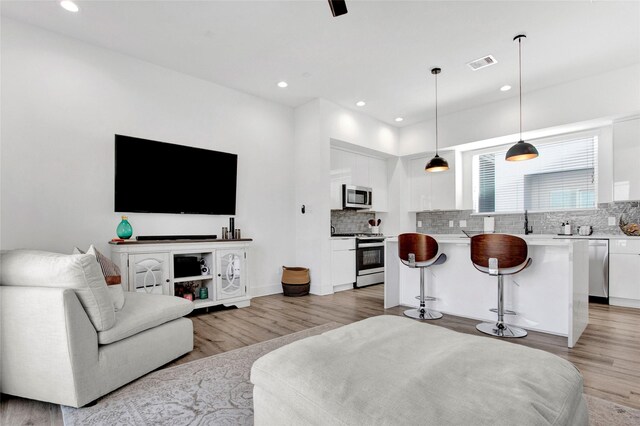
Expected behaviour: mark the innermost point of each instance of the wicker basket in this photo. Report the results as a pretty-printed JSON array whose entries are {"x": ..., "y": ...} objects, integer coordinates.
[
  {"x": 631, "y": 229},
  {"x": 295, "y": 281}
]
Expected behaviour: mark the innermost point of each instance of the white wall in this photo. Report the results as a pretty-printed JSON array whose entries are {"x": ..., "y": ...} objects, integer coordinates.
[
  {"x": 312, "y": 168},
  {"x": 358, "y": 129},
  {"x": 317, "y": 123},
  {"x": 610, "y": 95},
  {"x": 62, "y": 102}
]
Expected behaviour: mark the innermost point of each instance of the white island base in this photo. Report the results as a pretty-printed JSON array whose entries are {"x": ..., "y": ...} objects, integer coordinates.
[{"x": 551, "y": 296}]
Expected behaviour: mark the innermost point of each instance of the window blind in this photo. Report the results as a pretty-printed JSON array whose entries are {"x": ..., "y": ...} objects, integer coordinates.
[{"x": 564, "y": 176}]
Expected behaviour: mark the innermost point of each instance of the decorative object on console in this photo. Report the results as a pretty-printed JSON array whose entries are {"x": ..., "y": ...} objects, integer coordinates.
[
  {"x": 521, "y": 150},
  {"x": 204, "y": 269},
  {"x": 631, "y": 229},
  {"x": 437, "y": 163},
  {"x": 204, "y": 293},
  {"x": 296, "y": 281},
  {"x": 232, "y": 227},
  {"x": 124, "y": 229}
]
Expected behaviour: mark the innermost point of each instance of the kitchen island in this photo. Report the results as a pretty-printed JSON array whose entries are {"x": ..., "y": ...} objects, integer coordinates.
[{"x": 550, "y": 296}]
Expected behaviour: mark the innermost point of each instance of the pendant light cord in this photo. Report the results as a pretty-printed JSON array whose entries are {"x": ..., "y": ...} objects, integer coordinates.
[
  {"x": 436, "y": 74},
  {"x": 520, "y": 79}
]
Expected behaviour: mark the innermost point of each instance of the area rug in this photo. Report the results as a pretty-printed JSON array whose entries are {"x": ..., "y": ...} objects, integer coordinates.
[
  {"x": 210, "y": 391},
  {"x": 216, "y": 391}
]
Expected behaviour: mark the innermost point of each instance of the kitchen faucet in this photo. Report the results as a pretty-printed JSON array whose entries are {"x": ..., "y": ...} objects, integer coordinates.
[{"x": 527, "y": 230}]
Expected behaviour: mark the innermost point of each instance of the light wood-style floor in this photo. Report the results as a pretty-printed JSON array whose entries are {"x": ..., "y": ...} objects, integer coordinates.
[{"x": 608, "y": 353}]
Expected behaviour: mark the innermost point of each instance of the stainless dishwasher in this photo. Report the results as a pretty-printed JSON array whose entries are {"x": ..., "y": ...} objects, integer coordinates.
[{"x": 599, "y": 271}]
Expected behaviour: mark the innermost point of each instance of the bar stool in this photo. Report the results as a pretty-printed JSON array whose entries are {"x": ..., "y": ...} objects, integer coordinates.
[
  {"x": 499, "y": 255},
  {"x": 420, "y": 251}
]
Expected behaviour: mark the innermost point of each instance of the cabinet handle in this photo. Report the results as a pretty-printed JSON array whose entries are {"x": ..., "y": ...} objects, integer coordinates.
[
  {"x": 219, "y": 275},
  {"x": 168, "y": 280}
]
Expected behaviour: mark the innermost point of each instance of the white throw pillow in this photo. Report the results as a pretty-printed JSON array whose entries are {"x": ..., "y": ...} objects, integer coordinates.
[
  {"x": 111, "y": 274},
  {"x": 81, "y": 272}
]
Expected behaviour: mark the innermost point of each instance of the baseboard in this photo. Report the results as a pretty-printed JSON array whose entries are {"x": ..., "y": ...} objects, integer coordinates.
[
  {"x": 266, "y": 290},
  {"x": 627, "y": 303}
]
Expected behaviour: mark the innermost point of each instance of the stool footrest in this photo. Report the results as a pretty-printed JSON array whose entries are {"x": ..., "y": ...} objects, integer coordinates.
[
  {"x": 506, "y": 311},
  {"x": 427, "y": 298}
]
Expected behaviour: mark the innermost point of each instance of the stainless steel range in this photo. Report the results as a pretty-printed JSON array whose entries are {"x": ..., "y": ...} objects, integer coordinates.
[{"x": 369, "y": 260}]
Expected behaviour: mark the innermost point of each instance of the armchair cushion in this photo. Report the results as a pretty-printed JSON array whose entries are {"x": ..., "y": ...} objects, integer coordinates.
[
  {"x": 144, "y": 311},
  {"x": 82, "y": 273}
]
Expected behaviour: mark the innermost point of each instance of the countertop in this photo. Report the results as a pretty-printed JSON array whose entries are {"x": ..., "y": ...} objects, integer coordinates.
[{"x": 529, "y": 237}]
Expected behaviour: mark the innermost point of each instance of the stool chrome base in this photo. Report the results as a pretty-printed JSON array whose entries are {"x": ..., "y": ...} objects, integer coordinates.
[
  {"x": 492, "y": 329},
  {"x": 423, "y": 314}
]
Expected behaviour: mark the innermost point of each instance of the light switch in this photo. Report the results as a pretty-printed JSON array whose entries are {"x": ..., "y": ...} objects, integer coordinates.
[
  {"x": 419, "y": 224},
  {"x": 463, "y": 224},
  {"x": 612, "y": 221},
  {"x": 450, "y": 224}
]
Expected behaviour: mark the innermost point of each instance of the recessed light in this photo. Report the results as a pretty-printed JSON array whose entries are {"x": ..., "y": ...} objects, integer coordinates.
[
  {"x": 505, "y": 88},
  {"x": 69, "y": 5},
  {"x": 361, "y": 103},
  {"x": 283, "y": 84},
  {"x": 399, "y": 119}
]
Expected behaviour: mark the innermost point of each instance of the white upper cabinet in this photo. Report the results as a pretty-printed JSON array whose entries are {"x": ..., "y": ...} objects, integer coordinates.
[
  {"x": 626, "y": 151},
  {"x": 432, "y": 191},
  {"x": 348, "y": 168},
  {"x": 342, "y": 164},
  {"x": 379, "y": 183}
]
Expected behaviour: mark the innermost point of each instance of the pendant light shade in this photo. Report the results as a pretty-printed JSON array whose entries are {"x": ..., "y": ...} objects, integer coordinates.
[
  {"x": 437, "y": 163},
  {"x": 521, "y": 150}
]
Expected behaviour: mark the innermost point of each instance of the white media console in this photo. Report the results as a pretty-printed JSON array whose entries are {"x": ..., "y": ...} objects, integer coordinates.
[{"x": 148, "y": 266}]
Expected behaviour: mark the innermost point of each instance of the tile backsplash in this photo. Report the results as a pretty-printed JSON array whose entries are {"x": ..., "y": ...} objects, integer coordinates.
[
  {"x": 437, "y": 222},
  {"x": 351, "y": 221}
]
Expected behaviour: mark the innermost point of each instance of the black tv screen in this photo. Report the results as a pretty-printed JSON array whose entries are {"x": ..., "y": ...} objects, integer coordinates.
[{"x": 158, "y": 177}]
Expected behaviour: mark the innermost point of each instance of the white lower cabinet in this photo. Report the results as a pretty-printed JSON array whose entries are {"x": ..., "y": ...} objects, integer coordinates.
[
  {"x": 343, "y": 262},
  {"x": 150, "y": 268},
  {"x": 624, "y": 273}
]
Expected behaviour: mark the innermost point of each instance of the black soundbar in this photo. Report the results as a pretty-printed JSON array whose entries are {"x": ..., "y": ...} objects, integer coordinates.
[{"x": 175, "y": 237}]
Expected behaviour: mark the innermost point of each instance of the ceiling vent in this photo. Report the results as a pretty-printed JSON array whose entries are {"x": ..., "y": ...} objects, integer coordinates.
[{"x": 482, "y": 62}]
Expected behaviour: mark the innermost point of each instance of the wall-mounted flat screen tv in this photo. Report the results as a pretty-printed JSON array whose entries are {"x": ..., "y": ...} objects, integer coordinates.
[{"x": 158, "y": 177}]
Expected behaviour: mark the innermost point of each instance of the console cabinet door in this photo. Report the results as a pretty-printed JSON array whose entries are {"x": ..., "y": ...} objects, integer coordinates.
[
  {"x": 231, "y": 280},
  {"x": 149, "y": 273}
]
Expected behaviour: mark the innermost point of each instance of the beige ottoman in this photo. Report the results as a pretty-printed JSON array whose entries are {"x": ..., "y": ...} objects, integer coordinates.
[{"x": 391, "y": 370}]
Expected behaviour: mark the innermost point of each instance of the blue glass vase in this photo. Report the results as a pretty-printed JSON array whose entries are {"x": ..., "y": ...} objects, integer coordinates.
[{"x": 124, "y": 229}]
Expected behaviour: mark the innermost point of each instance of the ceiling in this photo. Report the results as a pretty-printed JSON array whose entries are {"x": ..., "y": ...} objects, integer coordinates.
[{"x": 380, "y": 52}]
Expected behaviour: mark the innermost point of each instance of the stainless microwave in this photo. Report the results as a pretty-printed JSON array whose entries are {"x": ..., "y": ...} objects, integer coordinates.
[{"x": 356, "y": 197}]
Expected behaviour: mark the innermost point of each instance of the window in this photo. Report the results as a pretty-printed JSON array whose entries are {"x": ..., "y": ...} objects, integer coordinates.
[{"x": 564, "y": 176}]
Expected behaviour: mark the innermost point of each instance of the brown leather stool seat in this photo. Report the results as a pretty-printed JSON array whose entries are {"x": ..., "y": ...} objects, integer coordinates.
[
  {"x": 499, "y": 255},
  {"x": 420, "y": 251}
]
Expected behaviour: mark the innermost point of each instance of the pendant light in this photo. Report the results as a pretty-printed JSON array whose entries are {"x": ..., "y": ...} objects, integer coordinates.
[
  {"x": 521, "y": 150},
  {"x": 437, "y": 163}
]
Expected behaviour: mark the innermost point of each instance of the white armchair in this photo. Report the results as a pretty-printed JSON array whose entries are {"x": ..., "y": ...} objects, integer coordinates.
[{"x": 51, "y": 348}]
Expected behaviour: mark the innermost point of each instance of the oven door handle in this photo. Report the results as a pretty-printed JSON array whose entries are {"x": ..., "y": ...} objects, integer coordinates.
[{"x": 365, "y": 245}]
